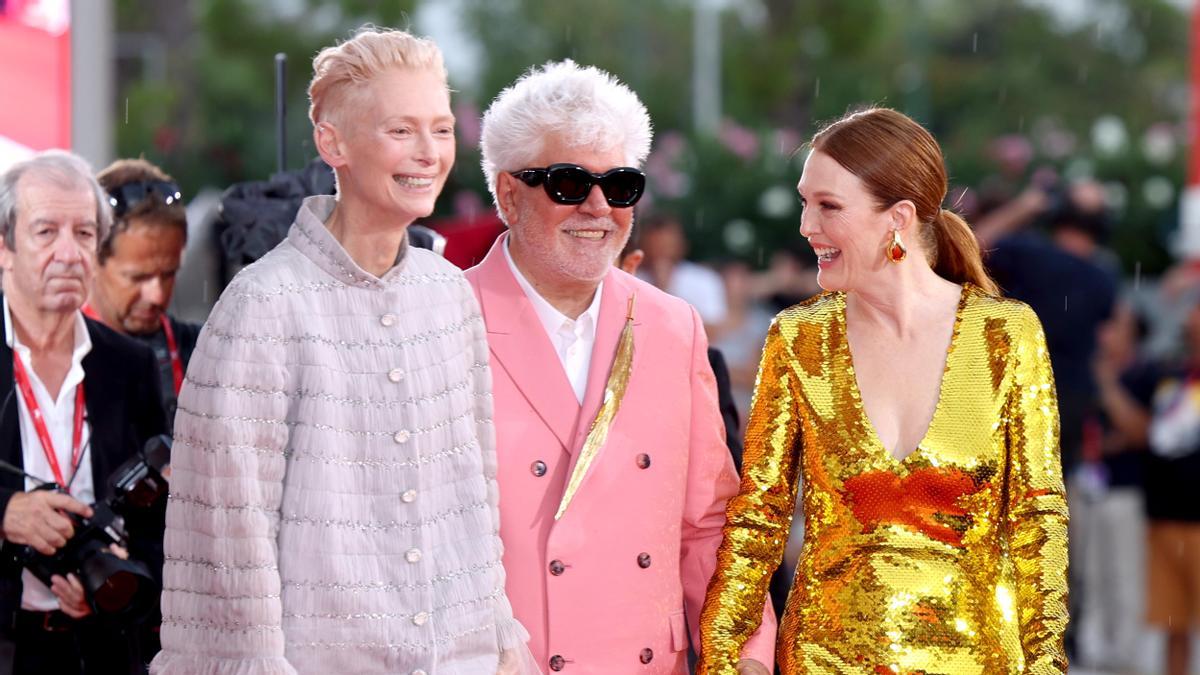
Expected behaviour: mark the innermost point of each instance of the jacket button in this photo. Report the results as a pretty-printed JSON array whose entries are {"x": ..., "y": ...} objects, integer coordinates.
[
  {"x": 538, "y": 468},
  {"x": 643, "y": 461},
  {"x": 643, "y": 560},
  {"x": 557, "y": 663},
  {"x": 557, "y": 567},
  {"x": 647, "y": 655}
]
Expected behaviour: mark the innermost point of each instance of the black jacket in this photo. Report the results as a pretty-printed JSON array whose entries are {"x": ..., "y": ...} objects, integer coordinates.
[{"x": 123, "y": 410}]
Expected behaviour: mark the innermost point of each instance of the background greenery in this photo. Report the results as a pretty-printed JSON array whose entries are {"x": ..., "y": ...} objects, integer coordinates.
[{"x": 1006, "y": 86}]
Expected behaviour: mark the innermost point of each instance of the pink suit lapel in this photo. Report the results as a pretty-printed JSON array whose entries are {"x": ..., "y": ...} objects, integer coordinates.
[
  {"x": 522, "y": 348},
  {"x": 614, "y": 303}
]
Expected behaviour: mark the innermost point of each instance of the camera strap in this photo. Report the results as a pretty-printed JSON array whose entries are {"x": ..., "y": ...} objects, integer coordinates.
[
  {"x": 172, "y": 345},
  {"x": 39, "y": 422}
]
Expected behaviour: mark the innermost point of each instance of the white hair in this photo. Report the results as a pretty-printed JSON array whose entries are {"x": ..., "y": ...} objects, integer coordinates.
[
  {"x": 339, "y": 71},
  {"x": 65, "y": 170},
  {"x": 585, "y": 106}
]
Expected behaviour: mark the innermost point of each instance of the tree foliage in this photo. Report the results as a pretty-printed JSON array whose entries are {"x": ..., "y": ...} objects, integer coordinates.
[{"x": 1005, "y": 85}]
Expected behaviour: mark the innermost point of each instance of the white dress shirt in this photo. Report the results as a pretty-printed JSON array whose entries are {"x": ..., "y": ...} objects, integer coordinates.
[
  {"x": 573, "y": 339},
  {"x": 59, "y": 415}
]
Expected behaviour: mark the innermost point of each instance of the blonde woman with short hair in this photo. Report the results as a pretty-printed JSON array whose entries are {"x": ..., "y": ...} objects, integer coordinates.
[{"x": 333, "y": 500}]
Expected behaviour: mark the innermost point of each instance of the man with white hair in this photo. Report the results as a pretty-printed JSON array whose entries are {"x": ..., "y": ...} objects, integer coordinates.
[
  {"x": 333, "y": 504},
  {"x": 612, "y": 454},
  {"x": 80, "y": 401}
]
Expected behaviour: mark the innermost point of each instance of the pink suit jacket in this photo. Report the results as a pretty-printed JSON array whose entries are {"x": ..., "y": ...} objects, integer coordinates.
[{"x": 606, "y": 589}]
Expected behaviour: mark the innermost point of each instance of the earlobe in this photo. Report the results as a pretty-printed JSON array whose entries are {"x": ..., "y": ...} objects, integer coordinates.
[
  {"x": 505, "y": 198},
  {"x": 325, "y": 137}
]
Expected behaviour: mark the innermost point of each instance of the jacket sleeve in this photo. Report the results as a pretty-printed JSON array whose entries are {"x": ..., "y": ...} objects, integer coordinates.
[
  {"x": 510, "y": 634},
  {"x": 712, "y": 480},
  {"x": 221, "y": 599},
  {"x": 1036, "y": 502},
  {"x": 759, "y": 517}
]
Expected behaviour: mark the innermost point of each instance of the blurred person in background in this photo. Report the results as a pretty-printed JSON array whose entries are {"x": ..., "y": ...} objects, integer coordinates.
[
  {"x": 1109, "y": 515},
  {"x": 740, "y": 337},
  {"x": 613, "y": 461},
  {"x": 1172, "y": 474},
  {"x": 664, "y": 242},
  {"x": 334, "y": 501},
  {"x": 919, "y": 407},
  {"x": 1066, "y": 276},
  {"x": 138, "y": 262},
  {"x": 83, "y": 400}
]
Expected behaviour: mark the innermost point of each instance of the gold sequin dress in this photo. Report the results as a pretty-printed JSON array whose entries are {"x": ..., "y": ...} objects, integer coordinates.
[{"x": 953, "y": 560}]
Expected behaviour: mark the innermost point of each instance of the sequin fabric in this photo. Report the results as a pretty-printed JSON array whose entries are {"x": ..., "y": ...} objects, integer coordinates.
[{"x": 953, "y": 560}]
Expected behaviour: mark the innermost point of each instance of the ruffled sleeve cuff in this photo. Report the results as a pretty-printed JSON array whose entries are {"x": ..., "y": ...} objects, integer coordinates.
[{"x": 510, "y": 633}]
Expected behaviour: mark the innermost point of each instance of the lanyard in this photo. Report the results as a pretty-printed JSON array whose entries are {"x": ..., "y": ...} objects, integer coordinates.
[
  {"x": 172, "y": 346},
  {"x": 173, "y": 350},
  {"x": 39, "y": 422}
]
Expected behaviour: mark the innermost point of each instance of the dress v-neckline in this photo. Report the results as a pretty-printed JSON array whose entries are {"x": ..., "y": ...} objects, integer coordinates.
[{"x": 872, "y": 433}]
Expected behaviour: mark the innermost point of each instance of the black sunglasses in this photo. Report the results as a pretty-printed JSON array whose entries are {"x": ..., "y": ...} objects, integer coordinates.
[
  {"x": 571, "y": 184},
  {"x": 125, "y": 197}
]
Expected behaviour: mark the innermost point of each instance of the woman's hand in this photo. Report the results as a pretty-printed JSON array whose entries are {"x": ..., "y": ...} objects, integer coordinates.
[{"x": 751, "y": 667}]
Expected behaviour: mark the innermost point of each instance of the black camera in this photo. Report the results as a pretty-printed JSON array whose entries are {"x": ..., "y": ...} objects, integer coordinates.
[{"x": 112, "y": 586}]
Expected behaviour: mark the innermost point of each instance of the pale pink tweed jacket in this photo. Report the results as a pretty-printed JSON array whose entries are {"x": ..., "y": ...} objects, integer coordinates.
[{"x": 333, "y": 490}]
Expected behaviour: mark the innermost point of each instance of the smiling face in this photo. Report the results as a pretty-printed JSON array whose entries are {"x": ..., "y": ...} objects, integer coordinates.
[
  {"x": 392, "y": 143},
  {"x": 55, "y": 239},
  {"x": 843, "y": 224},
  {"x": 560, "y": 245}
]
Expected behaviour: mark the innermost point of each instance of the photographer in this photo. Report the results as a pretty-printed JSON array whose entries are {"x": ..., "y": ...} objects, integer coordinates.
[
  {"x": 82, "y": 400},
  {"x": 137, "y": 264}
]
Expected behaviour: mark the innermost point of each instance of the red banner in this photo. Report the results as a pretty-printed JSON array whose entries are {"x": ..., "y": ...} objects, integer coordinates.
[{"x": 35, "y": 81}]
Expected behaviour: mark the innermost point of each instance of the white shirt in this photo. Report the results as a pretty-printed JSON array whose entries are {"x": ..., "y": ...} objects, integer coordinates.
[
  {"x": 60, "y": 422},
  {"x": 573, "y": 339}
]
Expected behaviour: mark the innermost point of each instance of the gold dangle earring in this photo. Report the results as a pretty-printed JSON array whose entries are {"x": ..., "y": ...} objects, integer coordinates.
[{"x": 895, "y": 250}]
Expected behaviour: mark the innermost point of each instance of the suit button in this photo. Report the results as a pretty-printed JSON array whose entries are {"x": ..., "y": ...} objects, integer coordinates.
[
  {"x": 557, "y": 567},
  {"x": 643, "y": 560},
  {"x": 647, "y": 655},
  {"x": 643, "y": 461},
  {"x": 538, "y": 468},
  {"x": 557, "y": 663}
]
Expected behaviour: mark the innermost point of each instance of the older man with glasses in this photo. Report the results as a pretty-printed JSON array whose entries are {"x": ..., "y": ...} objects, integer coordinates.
[{"x": 612, "y": 459}]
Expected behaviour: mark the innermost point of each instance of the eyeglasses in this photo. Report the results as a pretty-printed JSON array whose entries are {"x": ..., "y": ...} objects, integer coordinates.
[
  {"x": 125, "y": 197},
  {"x": 571, "y": 184}
]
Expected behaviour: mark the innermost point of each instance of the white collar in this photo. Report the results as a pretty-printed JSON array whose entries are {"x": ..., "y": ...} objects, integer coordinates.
[
  {"x": 83, "y": 341},
  {"x": 552, "y": 319}
]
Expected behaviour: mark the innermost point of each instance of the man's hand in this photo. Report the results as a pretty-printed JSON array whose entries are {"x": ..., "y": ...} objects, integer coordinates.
[
  {"x": 35, "y": 519},
  {"x": 751, "y": 667},
  {"x": 71, "y": 599}
]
